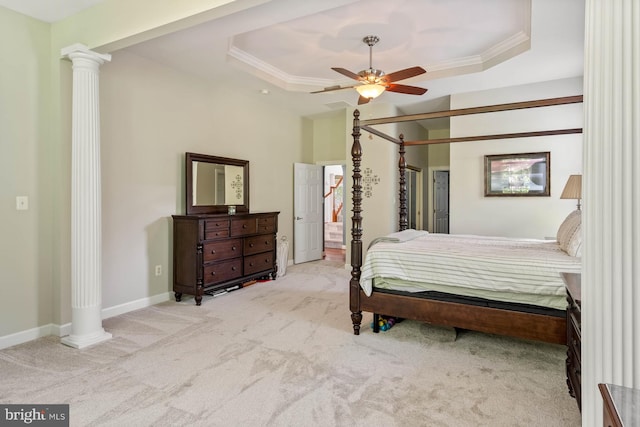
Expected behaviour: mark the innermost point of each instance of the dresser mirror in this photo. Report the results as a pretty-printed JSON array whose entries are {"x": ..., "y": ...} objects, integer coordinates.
[{"x": 213, "y": 184}]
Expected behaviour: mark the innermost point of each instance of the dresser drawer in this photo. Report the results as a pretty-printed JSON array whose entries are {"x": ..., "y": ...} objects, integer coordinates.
[
  {"x": 257, "y": 244},
  {"x": 222, "y": 271},
  {"x": 243, "y": 227},
  {"x": 258, "y": 263},
  {"x": 214, "y": 251},
  {"x": 216, "y": 228},
  {"x": 267, "y": 224}
]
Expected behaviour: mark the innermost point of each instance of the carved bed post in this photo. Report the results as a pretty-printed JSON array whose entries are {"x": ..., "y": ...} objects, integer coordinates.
[
  {"x": 402, "y": 166},
  {"x": 356, "y": 228}
]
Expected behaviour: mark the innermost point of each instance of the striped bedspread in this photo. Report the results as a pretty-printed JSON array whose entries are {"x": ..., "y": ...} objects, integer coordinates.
[{"x": 471, "y": 263}]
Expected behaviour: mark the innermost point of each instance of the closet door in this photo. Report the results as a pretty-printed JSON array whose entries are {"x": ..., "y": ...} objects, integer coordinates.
[{"x": 441, "y": 202}]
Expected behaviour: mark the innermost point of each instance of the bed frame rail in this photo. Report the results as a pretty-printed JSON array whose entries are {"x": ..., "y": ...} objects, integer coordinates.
[{"x": 535, "y": 327}]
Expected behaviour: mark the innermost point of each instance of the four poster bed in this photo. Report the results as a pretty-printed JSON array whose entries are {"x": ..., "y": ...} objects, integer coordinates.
[{"x": 399, "y": 280}]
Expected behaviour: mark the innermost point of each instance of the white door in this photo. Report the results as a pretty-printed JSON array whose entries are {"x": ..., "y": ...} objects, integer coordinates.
[{"x": 307, "y": 213}]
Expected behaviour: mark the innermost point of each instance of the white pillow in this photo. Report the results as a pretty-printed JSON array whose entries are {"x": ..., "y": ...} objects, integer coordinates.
[
  {"x": 568, "y": 228},
  {"x": 574, "y": 245}
]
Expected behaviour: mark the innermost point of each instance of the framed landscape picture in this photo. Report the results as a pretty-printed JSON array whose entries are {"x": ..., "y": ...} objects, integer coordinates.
[{"x": 523, "y": 174}]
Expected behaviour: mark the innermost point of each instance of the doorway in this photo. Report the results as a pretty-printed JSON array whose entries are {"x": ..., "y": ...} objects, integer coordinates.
[
  {"x": 441, "y": 201},
  {"x": 334, "y": 213},
  {"x": 413, "y": 180}
]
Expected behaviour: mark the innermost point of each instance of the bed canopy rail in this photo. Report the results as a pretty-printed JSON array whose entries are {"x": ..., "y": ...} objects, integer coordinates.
[
  {"x": 366, "y": 125},
  {"x": 356, "y": 297},
  {"x": 548, "y": 102},
  {"x": 497, "y": 136}
]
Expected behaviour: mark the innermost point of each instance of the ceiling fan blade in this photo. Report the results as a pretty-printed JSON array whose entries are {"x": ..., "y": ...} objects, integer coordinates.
[
  {"x": 347, "y": 73},
  {"x": 363, "y": 100},
  {"x": 410, "y": 90},
  {"x": 404, "y": 74},
  {"x": 332, "y": 88}
]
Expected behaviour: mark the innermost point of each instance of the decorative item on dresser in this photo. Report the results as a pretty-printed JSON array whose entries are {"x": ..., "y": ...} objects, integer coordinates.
[
  {"x": 218, "y": 253},
  {"x": 574, "y": 342},
  {"x": 218, "y": 245}
]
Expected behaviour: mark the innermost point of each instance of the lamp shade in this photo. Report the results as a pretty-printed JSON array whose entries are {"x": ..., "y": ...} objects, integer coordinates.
[
  {"x": 370, "y": 90},
  {"x": 573, "y": 188}
]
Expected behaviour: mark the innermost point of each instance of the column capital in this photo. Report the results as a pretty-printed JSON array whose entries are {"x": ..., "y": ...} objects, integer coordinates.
[{"x": 78, "y": 50}]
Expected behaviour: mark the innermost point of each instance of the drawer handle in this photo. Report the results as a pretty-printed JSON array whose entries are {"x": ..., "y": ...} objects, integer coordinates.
[
  {"x": 266, "y": 261},
  {"x": 250, "y": 264},
  {"x": 233, "y": 248},
  {"x": 213, "y": 252},
  {"x": 244, "y": 225},
  {"x": 233, "y": 268},
  {"x": 251, "y": 245},
  {"x": 213, "y": 273}
]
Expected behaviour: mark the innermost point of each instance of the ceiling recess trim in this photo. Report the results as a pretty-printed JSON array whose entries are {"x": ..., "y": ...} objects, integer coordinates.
[
  {"x": 273, "y": 74},
  {"x": 502, "y": 51},
  {"x": 506, "y": 49}
]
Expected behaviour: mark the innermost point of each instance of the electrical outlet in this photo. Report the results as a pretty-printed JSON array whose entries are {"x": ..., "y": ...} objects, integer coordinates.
[{"x": 158, "y": 270}]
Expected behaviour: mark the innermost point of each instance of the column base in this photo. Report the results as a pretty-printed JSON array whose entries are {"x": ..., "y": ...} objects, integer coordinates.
[{"x": 82, "y": 341}]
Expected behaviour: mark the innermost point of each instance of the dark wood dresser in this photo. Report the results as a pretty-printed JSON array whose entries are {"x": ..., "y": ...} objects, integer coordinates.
[
  {"x": 574, "y": 341},
  {"x": 217, "y": 252}
]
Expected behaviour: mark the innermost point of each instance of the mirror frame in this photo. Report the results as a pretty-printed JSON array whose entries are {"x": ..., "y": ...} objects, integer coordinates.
[{"x": 213, "y": 209}]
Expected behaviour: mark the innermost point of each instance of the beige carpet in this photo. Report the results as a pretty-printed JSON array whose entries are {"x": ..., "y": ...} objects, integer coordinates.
[{"x": 282, "y": 353}]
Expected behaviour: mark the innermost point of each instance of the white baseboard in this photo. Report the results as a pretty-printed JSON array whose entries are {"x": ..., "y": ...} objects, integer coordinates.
[
  {"x": 25, "y": 336},
  {"x": 135, "y": 305},
  {"x": 63, "y": 330}
]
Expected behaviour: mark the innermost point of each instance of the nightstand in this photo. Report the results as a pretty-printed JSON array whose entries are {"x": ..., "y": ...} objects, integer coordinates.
[
  {"x": 574, "y": 341},
  {"x": 621, "y": 405}
]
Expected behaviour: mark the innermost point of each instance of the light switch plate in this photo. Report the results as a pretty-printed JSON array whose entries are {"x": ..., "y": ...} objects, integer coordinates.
[{"x": 22, "y": 203}]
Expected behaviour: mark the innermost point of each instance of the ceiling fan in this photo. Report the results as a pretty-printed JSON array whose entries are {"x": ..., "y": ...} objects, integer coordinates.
[{"x": 373, "y": 82}]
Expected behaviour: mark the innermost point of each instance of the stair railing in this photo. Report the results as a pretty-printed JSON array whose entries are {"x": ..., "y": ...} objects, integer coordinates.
[{"x": 335, "y": 211}]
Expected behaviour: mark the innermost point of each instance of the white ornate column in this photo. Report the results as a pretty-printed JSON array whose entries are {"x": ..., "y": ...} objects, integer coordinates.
[
  {"x": 86, "y": 224},
  {"x": 611, "y": 220}
]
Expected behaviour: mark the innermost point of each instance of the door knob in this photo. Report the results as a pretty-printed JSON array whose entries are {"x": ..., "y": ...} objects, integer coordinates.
[{"x": 298, "y": 218}]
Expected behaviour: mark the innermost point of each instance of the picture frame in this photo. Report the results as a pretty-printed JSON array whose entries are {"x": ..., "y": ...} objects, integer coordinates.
[{"x": 518, "y": 175}]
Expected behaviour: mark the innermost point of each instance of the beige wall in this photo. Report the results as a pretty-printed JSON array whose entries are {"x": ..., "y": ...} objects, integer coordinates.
[
  {"x": 329, "y": 138},
  {"x": 25, "y": 166},
  {"x": 529, "y": 217},
  {"x": 151, "y": 116}
]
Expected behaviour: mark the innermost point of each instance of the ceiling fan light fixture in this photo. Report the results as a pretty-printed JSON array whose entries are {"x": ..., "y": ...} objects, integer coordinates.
[{"x": 370, "y": 91}]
